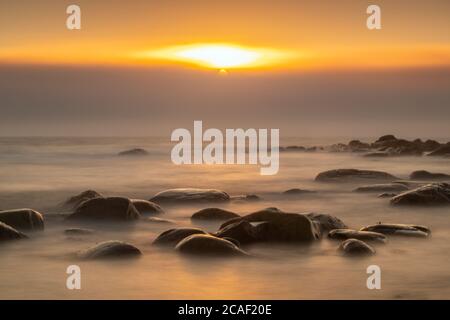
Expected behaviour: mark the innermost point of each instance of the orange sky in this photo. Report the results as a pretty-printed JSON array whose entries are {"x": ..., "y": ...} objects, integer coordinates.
[{"x": 329, "y": 34}]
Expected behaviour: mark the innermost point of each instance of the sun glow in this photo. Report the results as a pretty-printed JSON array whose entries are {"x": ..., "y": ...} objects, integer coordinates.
[{"x": 219, "y": 56}]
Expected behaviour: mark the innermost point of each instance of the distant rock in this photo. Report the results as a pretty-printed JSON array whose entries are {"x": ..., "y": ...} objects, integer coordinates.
[
  {"x": 106, "y": 209},
  {"x": 326, "y": 222},
  {"x": 429, "y": 194},
  {"x": 382, "y": 187},
  {"x": 387, "y": 195},
  {"x": 242, "y": 231},
  {"x": 349, "y": 175},
  {"x": 173, "y": 236},
  {"x": 78, "y": 232},
  {"x": 110, "y": 249},
  {"x": 190, "y": 195},
  {"x": 23, "y": 219},
  {"x": 356, "y": 145},
  {"x": 399, "y": 229},
  {"x": 297, "y": 191},
  {"x": 9, "y": 233},
  {"x": 214, "y": 214},
  {"x": 202, "y": 244},
  {"x": 426, "y": 175},
  {"x": 245, "y": 198},
  {"x": 75, "y": 201},
  {"x": 343, "y": 234},
  {"x": 134, "y": 152},
  {"x": 294, "y": 148},
  {"x": 387, "y": 137},
  {"x": 355, "y": 247},
  {"x": 146, "y": 207},
  {"x": 443, "y": 150}
]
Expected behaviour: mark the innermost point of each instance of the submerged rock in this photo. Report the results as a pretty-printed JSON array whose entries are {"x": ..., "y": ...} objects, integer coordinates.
[
  {"x": 382, "y": 187},
  {"x": 387, "y": 195},
  {"x": 146, "y": 207},
  {"x": 426, "y": 175},
  {"x": 326, "y": 222},
  {"x": 343, "y": 234},
  {"x": 158, "y": 220},
  {"x": 242, "y": 231},
  {"x": 26, "y": 219},
  {"x": 214, "y": 214},
  {"x": 190, "y": 195},
  {"x": 9, "y": 233},
  {"x": 202, "y": 244},
  {"x": 134, "y": 152},
  {"x": 75, "y": 201},
  {"x": 173, "y": 236},
  {"x": 399, "y": 229},
  {"x": 429, "y": 194},
  {"x": 296, "y": 191},
  {"x": 78, "y": 231},
  {"x": 355, "y": 247},
  {"x": 112, "y": 209},
  {"x": 345, "y": 175},
  {"x": 110, "y": 249},
  {"x": 246, "y": 198}
]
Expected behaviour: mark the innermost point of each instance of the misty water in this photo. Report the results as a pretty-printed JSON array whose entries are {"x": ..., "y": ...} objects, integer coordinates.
[{"x": 41, "y": 173}]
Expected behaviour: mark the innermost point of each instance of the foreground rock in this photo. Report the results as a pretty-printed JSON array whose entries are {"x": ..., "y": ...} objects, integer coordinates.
[
  {"x": 173, "y": 236},
  {"x": 355, "y": 247},
  {"x": 190, "y": 195},
  {"x": 145, "y": 207},
  {"x": 425, "y": 175},
  {"x": 242, "y": 231},
  {"x": 23, "y": 219},
  {"x": 343, "y": 234},
  {"x": 353, "y": 175},
  {"x": 202, "y": 244},
  {"x": 382, "y": 187},
  {"x": 214, "y": 214},
  {"x": 399, "y": 229},
  {"x": 8, "y": 233},
  {"x": 134, "y": 152},
  {"x": 433, "y": 194},
  {"x": 326, "y": 222},
  {"x": 106, "y": 209},
  {"x": 75, "y": 201},
  {"x": 258, "y": 216},
  {"x": 110, "y": 249}
]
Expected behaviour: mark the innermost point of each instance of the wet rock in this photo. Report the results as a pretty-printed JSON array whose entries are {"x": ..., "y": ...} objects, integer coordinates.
[
  {"x": 387, "y": 137},
  {"x": 134, "y": 152},
  {"x": 387, "y": 195},
  {"x": 173, "y": 236},
  {"x": 348, "y": 175},
  {"x": 214, "y": 214},
  {"x": 399, "y": 229},
  {"x": 107, "y": 209},
  {"x": 23, "y": 219},
  {"x": 326, "y": 222},
  {"x": 78, "y": 232},
  {"x": 443, "y": 150},
  {"x": 355, "y": 247},
  {"x": 202, "y": 244},
  {"x": 190, "y": 195},
  {"x": 426, "y": 175},
  {"x": 9, "y": 233},
  {"x": 75, "y": 201},
  {"x": 382, "y": 187},
  {"x": 258, "y": 216},
  {"x": 429, "y": 194},
  {"x": 343, "y": 234},
  {"x": 110, "y": 249},
  {"x": 145, "y": 207},
  {"x": 297, "y": 191},
  {"x": 242, "y": 231}
]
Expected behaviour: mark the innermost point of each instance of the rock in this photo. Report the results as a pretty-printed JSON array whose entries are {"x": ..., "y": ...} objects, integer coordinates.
[
  {"x": 23, "y": 219},
  {"x": 387, "y": 137},
  {"x": 355, "y": 247},
  {"x": 78, "y": 231},
  {"x": 326, "y": 222},
  {"x": 297, "y": 191},
  {"x": 242, "y": 231},
  {"x": 441, "y": 151},
  {"x": 294, "y": 148},
  {"x": 248, "y": 197},
  {"x": 356, "y": 145},
  {"x": 173, "y": 236},
  {"x": 146, "y": 207},
  {"x": 345, "y": 175},
  {"x": 425, "y": 175},
  {"x": 399, "y": 229},
  {"x": 112, "y": 209},
  {"x": 190, "y": 195},
  {"x": 383, "y": 187},
  {"x": 134, "y": 152},
  {"x": 430, "y": 145},
  {"x": 75, "y": 201},
  {"x": 258, "y": 216},
  {"x": 343, "y": 234},
  {"x": 9, "y": 233},
  {"x": 429, "y": 194},
  {"x": 202, "y": 244},
  {"x": 110, "y": 249},
  {"x": 158, "y": 220},
  {"x": 214, "y": 214},
  {"x": 387, "y": 195}
]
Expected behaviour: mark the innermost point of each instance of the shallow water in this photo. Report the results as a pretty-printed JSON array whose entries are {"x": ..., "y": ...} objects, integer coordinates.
[{"x": 41, "y": 173}]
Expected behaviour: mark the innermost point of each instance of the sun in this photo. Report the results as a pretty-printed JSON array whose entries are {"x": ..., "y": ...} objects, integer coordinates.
[{"x": 218, "y": 56}]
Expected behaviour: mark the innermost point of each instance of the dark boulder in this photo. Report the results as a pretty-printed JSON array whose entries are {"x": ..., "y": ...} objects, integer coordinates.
[
  {"x": 214, "y": 214},
  {"x": 443, "y": 150},
  {"x": 387, "y": 137},
  {"x": 108, "y": 209},
  {"x": 23, "y": 219},
  {"x": 355, "y": 247},
  {"x": 258, "y": 216},
  {"x": 190, "y": 195},
  {"x": 387, "y": 195},
  {"x": 326, "y": 222},
  {"x": 382, "y": 187},
  {"x": 426, "y": 175},
  {"x": 343, "y": 234},
  {"x": 110, "y": 249},
  {"x": 202, "y": 244},
  {"x": 75, "y": 201},
  {"x": 242, "y": 231},
  {"x": 399, "y": 229},
  {"x": 296, "y": 191},
  {"x": 9, "y": 233},
  {"x": 349, "y": 175},
  {"x": 173, "y": 236},
  {"x": 134, "y": 152},
  {"x": 78, "y": 232},
  {"x": 145, "y": 207},
  {"x": 429, "y": 194}
]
